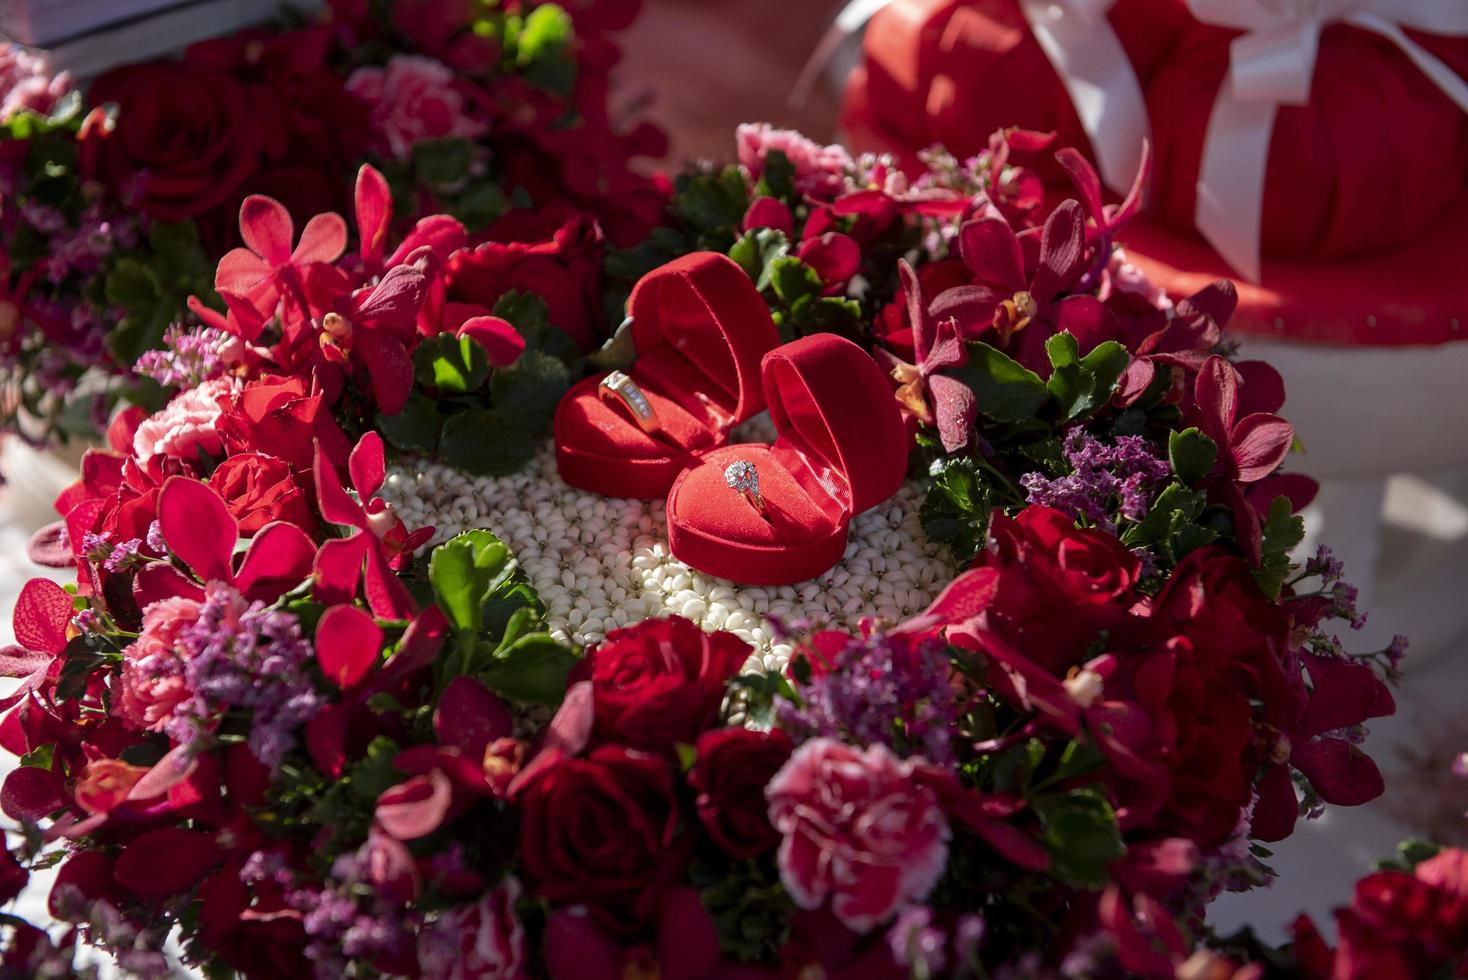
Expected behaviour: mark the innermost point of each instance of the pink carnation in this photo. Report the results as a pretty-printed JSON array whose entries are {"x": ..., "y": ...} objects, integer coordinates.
[
  {"x": 858, "y": 830},
  {"x": 485, "y": 941},
  {"x": 820, "y": 171},
  {"x": 26, "y": 82},
  {"x": 411, "y": 100},
  {"x": 152, "y": 669},
  {"x": 186, "y": 426}
]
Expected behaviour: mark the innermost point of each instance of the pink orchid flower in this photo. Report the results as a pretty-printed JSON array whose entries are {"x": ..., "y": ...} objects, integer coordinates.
[
  {"x": 255, "y": 278},
  {"x": 928, "y": 395},
  {"x": 379, "y": 538},
  {"x": 201, "y": 533}
]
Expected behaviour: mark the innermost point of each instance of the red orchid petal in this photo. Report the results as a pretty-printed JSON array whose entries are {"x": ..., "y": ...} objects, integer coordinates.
[
  {"x": 245, "y": 320},
  {"x": 326, "y": 738},
  {"x": 965, "y": 598},
  {"x": 688, "y": 939},
  {"x": 568, "y": 733},
  {"x": 1341, "y": 773},
  {"x": 338, "y": 568},
  {"x": 279, "y": 558},
  {"x": 198, "y": 528},
  {"x": 1132, "y": 203},
  {"x": 386, "y": 595},
  {"x": 1135, "y": 380},
  {"x": 469, "y": 716},
  {"x": 177, "y": 765},
  {"x": 498, "y": 337},
  {"x": 948, "y": 350},
  {"x": 390, "y": 369},
  {"x": 209, "y": 317},
  {"x": 367, "y": 465},
  {"x": 420, "y": 644},
  {"x": 1247, "y": 526},
  {"x": 1013, "y": 844},
  {"x": 42, "y": 612},
  {"x": 415, "y": 808},
  {"x": 374, "y": 212},
  {"x": 266, "y": 227},
  {"x": 769, "y": 212},
  {"x": 1062, "y": 252},
  {"x": 991, "y": 252},
  {"x": 336, "y": 506},
  {"x": 1210, "y": 308},
  {"x": 1260, "y": 444},
  {"x": 971, "y": 308},
  {"x": 955, "y": 408},
  {"x": 17, "y": 661},
  {"x": 834, "y": 256},
  {"x": 441, "y": 233},
  {"x": 1261, "y": 388},
  {"x": 51, "y": 546},
  {"x": 88, "y": 872},
  {"x": 1085, "y": 178},
  {"x": 240, "y": 271},
  {"x": 348, "y": 643},
  {"x": 1085, "y": 318},
  {"x": 1216, "y": 391},
  {"x": 159, "y": 580},
  {"x": 395, "y": 300},
  {"x": 166, "y": 862},
  {"x": 578, "y": 948},
  {"x": 1297, "y": 487},
  {"x": 1344, "y": 694},
  {"x": 30, "y": 793},
  {"x": 917, "y": 311},
  {"x": 324, "y": 239}
]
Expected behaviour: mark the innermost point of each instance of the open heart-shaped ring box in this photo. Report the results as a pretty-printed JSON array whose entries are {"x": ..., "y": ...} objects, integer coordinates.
[
  {"x": 700, "y": 328},
  {"x": 841, "y": 449}
]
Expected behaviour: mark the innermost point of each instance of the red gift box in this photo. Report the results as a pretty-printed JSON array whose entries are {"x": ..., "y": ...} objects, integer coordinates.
[
  {"x": 700, "y": 329},
  {"x": 841, "y": 450}
]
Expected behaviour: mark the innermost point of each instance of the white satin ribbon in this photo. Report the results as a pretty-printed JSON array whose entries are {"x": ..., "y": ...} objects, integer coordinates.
[
  {"x": 1085, "y": 52},
  {"x": 1272, "y": 65}
]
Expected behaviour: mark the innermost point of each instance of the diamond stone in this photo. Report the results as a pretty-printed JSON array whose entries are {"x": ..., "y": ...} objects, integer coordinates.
[{"x": 742, "y": 476}]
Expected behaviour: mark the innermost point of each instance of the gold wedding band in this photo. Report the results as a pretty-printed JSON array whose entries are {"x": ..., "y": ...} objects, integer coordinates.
[{"x": 618, "y": 389}]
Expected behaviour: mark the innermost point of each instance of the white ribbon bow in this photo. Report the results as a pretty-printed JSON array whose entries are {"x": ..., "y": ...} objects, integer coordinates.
[{"x": 1272, "y": 65}]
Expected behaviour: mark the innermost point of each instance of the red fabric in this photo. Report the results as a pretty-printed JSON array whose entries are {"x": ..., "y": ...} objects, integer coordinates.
[
  {"x": 954, "y": 71},
  {"x": 700, "y": 329},
  {"x": 1411, "y": 296},
  {"x": 841, "y": 449},
  {"x": 1365, "y": 168}
]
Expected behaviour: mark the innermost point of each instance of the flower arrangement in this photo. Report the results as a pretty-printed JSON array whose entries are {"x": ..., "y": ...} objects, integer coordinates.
[
  {"x": 270, "y": 719},
  {"x": 117, "y": 207}
]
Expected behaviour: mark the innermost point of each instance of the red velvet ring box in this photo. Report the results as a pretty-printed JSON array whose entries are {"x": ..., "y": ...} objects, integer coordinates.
[
  {"x": 700, "y": 328},
  {"x": 841, "y": 449}
]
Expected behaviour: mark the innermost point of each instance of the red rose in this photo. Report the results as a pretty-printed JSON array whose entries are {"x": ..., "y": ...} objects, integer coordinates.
[
  {"x": 660, "y": 682},
  {"x": 734, "y": 766},
  {"x": 554, "y": 252},
  {"x": 1059, "y": 585},
  {"x": 259, "y": 489},
  {"x": 185, "y": 138},
  {"x": 251, "y": 927},
  {"x": 600, "y": 831},
  {"x": 284, "y": 415}
]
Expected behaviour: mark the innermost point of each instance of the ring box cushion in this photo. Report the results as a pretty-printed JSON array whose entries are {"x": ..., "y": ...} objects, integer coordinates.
[
  {"x": 700, "y": 329},
  {"x": 841, "y": 449}
]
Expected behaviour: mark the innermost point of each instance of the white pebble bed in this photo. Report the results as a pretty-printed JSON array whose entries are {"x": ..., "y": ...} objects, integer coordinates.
[{"x": 600, "y": 562}]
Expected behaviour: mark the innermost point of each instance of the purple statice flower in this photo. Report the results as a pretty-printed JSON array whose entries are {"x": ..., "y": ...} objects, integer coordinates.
[
  {"x": 968, "y": 936},
  {"x": 918, "y": 944},
  {"x": 82, "y": 249},
  {"x": 123, "y": 555},
  {"x": 188, "y": 358},
  {"x": 97, "y": 547},
  {"x": 243, "y": 655},
  {"x": 1119, "y": 478},
  {"x": 1396, "y": 651},
  {"x": 1326, "y": 565},
  {"x": 884, "y": 689},
  {"x": 346, "y": 919},
  {"x": 154, "y": 539}
]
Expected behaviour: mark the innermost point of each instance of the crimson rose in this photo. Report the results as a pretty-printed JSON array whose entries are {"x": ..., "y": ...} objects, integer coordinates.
[
  {"x": 734, "y": 766},
  {"x": 259, "y": 489},
  {"x": 281, "y": 413},
  {"x": 600, "y": 831},
  {"x": 185, "y": 138},
  {"x": 660, "y": 682},
  {"x": 554, "y": 252}
]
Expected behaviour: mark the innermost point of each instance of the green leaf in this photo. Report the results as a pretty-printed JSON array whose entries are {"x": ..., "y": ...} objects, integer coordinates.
[
  {"x": 443, "y": 163},
  {"x": 1080, "y": 831},
  {"x": 956, "y": 510},
  {"x": 527, "y": 392},
  {"x": 40, "y": 757},
  {"x": 1104, "y": 365},
  {"x": 534, "y": 668},
  {"x": 464, "y": 571},
  {"x": 757, "y": 252},
  {"x": 528, "y": 314},
  {"x": 778, "y": 178},
  {"x": 546, "y": 32},
  {"x": 714, "y": 203},
  {"x": 1192, "y": 455},
  {"x": 415, "y": 428},
  {"x": 1006, "y": 390},
  {"x": 1282, "y": 531},
  {"x": 80, "y": 661},
  {"x": 453, "y": 365},
  {"x": 375, "y": 773},
  {"x": 793, "y": 280},
  {"x": 485, "y": 442}
]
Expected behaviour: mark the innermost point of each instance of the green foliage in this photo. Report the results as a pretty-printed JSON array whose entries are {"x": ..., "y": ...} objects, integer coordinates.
[
  {"x": 778, "y": 178},
  {"x": 713, "y": 205},
  {"x": 1081, "y": 832},
  {"x": 1192, "y": 455},
  {"x": 1172, "y": 527},
  {"x": 465, "y": 571},
  {"x": 1082, "y": 385},
  {"x": 956, "y": 509},
  {"x": 153, "y": 289},
  {"x": 1006, "y": 390},
  {"x": 750, "y": 908},
  {"x": 758, "y": 252},
  {"x": 1282, "y": 531}
]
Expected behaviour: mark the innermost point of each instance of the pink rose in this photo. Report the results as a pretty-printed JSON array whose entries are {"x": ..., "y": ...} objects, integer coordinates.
[
  {"x": 185, "y": 427},
  {"x": 411, "y": 100},
  {"x": 858, "y": 830},
  {"x": 152, "y": 669},
  {"x": 484, "y": 941}
]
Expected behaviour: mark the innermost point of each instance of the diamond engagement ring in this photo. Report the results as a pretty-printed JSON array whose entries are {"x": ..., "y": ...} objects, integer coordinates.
[
  {"x": 743, "y": 479},
  {"x": 618, "y": 389}
]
